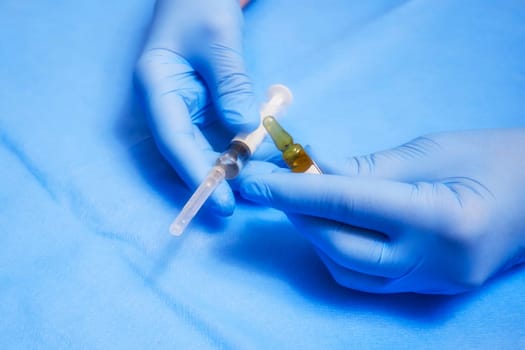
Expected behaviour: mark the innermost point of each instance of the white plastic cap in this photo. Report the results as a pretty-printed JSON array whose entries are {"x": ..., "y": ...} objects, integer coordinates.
[{"x": 279, "y": 97}]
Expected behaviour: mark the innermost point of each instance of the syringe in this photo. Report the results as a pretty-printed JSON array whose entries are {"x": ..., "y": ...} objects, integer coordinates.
[{"x": 231, "y": 162}]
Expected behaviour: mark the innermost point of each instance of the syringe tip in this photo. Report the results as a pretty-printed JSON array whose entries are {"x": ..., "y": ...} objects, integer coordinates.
[{"x": 176, "y": 229}]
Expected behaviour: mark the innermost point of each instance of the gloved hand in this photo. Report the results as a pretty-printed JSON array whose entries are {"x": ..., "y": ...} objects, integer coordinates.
[
  {"x": 440, "y": 214},
  {"x": 193, "y": 59}
]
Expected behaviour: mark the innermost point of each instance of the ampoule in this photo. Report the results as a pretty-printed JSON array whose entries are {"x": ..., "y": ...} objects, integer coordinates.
[{"x": 293, "y": 153}]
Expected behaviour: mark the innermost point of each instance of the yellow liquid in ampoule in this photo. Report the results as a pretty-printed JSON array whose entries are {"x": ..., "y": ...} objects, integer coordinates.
[{"x": 293, "y": 153}]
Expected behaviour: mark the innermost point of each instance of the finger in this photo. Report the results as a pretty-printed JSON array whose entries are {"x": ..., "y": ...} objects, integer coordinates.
[
  {"x": 231, "y": 90},
  {"x": 355, "y": 280},
  {"x": 176, "y": 100},
  {"x": 418, "y": 160},
  {"x": 375, "y": 204},
  {"x": 267, "y": 152},
  {"x": 255, "y": 167},
  {"x": 163, "y": 72},
  {"x": 353, "y": 248},
  {"x": 213, "y": 47},
  {"x": 188, "y": 152},
  {"x": 222, "y": 66}
]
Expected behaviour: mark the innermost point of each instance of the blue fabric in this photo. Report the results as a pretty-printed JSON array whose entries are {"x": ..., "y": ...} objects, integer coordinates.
[{"x": 85, "y": 198}]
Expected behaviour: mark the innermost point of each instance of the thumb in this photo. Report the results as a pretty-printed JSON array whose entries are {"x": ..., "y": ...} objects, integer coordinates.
[{"x": 375, "y": 204}]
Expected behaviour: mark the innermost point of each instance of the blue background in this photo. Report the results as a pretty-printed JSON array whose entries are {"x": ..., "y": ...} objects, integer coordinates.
[{"x": 85, "y": 198}]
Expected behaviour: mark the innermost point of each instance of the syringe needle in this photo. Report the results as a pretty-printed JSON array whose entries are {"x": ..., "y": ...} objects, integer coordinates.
[{"x": 205, "y": 189}]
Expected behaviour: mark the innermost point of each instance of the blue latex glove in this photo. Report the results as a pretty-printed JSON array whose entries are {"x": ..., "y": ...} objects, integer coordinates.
[
  {"x": 192, "y": 61},
  {"x": 440, "y": 214}
]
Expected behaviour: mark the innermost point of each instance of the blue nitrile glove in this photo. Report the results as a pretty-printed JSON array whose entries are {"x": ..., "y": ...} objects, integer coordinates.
[
  {"x": 193, "y": 59},
  {"x": 440, "y": 214}
]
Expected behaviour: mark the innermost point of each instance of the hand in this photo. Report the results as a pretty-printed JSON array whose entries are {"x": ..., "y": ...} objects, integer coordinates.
[
  {"x": 192, "y": 59},
  {"x": 440, "y": 214}
]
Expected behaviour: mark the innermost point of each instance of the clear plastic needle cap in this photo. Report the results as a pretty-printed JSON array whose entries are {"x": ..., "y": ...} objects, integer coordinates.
[{"x": 206, "y": 188}]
